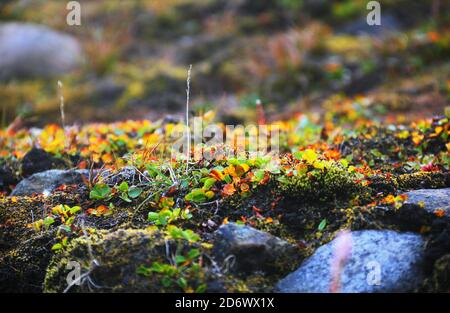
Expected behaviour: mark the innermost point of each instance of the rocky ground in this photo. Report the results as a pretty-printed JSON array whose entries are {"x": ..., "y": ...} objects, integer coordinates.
[
  {"x": 108, "y": 197},
  {"x": 356, "y": 200}
]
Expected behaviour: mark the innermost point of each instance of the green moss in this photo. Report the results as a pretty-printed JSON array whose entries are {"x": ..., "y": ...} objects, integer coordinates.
[
  {"x": 327, "y": 184},
  {"x": 423, "y": 180},
  {"x": 115, "y": 260}
]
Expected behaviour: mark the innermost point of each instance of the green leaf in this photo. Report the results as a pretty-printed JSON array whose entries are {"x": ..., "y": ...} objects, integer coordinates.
[
  {"x": 298, "y": 155},
  {"x": 260, "y": 174},
  {"x": 124, "y": 197},
  {"x": 197, "y": 195},
  {"x": 70, "y": 220},
  {"x": 200, "y": 288},
  {"x": 157, "y": 267},
  {"x": 166, "y": 281},
  {"x": 322, "y": 224},
  {"x": 100, "y": 191},
  {"x": 182, "y": 283},
  {"x": 123, "y": 186},
  {"x": 134, "y": 192},
  {"x": 193, "y": 253},
  {"x": 75, "y": 209},
  {"x": 143, "y": 270},
  {"x": 180, "y": 259},
  {"x": 48, "y": 221},
  {"x": 57, "y": 246},
  {"x": 228, "y": 179},
  {"x": 65, "y": 228},
  {"x": 209, "y": 183},
  {"x": 153, "y": 216}
]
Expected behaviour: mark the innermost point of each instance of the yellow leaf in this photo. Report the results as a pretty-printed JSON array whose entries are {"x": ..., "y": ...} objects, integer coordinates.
[{"x": 309, "y": 156}]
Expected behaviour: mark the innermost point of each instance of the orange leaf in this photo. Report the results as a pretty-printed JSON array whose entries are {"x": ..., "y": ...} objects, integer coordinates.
[
  {"x": 107, "y": 158},
  {"x": 228, "y": 190},
  {"x": 216, "y": 174},
  {"x": 245, "y": 187}
]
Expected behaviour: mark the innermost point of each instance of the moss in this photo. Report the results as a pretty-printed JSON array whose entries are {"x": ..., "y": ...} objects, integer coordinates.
[
  {"x": 331, "y": 183},
  {"x": 421, "y": 180},
  {"x": 118, "y": 256},
  {"x": 439, "y": 280},
  {"x": 14, "y": 217}
]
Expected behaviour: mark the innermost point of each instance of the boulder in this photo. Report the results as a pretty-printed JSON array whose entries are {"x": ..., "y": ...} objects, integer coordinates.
[
  {"x": 253, "y": 250},
  {"x": 38, "y": 160},
  {"x": 432, "y": 199},
  {"x": 46, "y": 182},
  {"x": 30, "y": 50},
  {"x": 396, "y": 257},
  {"x": 7, "y": 178}
]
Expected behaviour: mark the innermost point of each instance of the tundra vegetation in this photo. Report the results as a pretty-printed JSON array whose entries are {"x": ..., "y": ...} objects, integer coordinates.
[{"x": 363, "y": 123}]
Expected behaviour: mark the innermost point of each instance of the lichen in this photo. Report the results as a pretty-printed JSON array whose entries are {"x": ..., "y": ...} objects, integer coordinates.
[{"x": 421, "y": 180}]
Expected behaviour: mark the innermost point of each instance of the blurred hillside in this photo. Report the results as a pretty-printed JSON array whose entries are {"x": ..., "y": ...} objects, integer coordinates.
[{"x": 292, "y": 54}]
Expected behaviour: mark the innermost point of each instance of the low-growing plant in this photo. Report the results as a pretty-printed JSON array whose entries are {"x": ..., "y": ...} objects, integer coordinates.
[
  {"x": 184, "y": 271},
  {"x": 101, "y": 192},
  {"x": 128, "y": 193}
]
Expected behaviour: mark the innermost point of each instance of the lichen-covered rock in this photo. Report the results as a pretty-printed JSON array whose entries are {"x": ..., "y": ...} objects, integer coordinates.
[
  {"x": 432, "y": 199},
  {"x": 30, "y": 50},
  {"x": 254, "y": 250},
  {"x": 424, "y": 180},
  {"x": 113, "y": 262},
  {"x": 398, "y": 255},
  {"x": 48, "y": 181}
]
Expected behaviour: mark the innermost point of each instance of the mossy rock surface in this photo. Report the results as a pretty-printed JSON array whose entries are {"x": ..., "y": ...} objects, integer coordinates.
[
  {"x": 23, "y": 268},
  {"x": 114, "y": 261}
]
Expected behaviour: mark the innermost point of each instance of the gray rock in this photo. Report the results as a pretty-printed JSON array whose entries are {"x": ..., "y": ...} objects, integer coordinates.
[
  {"x": 48, "y": 181},
  {"x": 399, "y": 256},
  {"x": 253, "y": 250},
  {"x": 432, "y": 198},
  {"x": 30, "y": 50},
  {"x": 389, "y": 24}
]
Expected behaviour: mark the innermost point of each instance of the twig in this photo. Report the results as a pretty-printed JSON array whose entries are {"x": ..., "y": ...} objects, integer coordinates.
[
  {"x": 61, "y": 104},
  {"x": 188, "y": 90}
]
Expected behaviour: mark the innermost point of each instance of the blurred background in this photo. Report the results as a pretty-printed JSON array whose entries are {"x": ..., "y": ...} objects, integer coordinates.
[{"x": 129, "y": 59}]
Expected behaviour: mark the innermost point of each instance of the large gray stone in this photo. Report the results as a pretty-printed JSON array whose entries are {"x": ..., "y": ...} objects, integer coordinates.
[
  {"x": 253, "y": 250},
  {"x": 48, "y": 181},
  {"x": 433, "y": 199},
  {"x": 30, "y": 50},
  {"x": 399, "y": 256}
]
